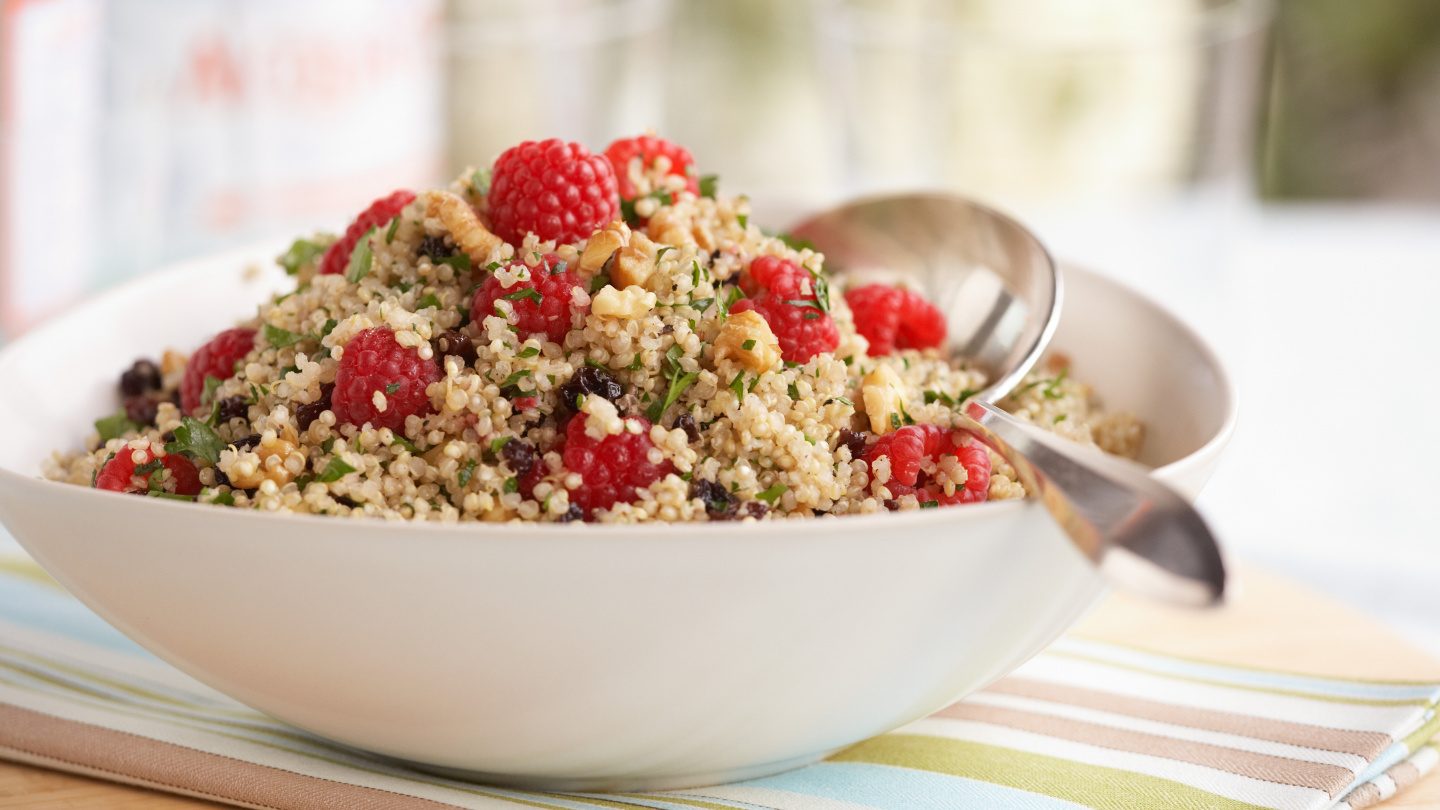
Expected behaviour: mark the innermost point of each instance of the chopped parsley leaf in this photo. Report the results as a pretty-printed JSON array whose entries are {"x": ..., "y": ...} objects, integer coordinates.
[
  {"x": 822, "y": 291},
  {"x": 709, "y": 184},
  {"x": 732, "y": 294},
  {"x": 280, "y": 338},
  {"x": 459, "y": 261},
  {"x": 515, "y": 378},
  {"x": 334, "y": 471},
  {"x": 772, "y": 494},
  {"x": 427, "y": 301},
  {"x": 466, "y": 473},
  {"x": 301, "y": 253},
  {"x": 738, "y": 385},
  {"x": 196, "y": 439},
  {"x": 680, "y": 380},
  {"x": 115, "y": 426},
  {"x": 480, "y": 181},
  {"x": 392, "y": 388},
  {"x": 1052, "y": 389},
  {"x": 794, "y": 242},
  {"x": 361, "y": 259},
  {"x": 528, "y": 293},
  {"x": 211, "y": 383},
  {"x": 748, "y": 345},
  {"x": 529, "y": 351},
  {"x": 390, "y": 231}
]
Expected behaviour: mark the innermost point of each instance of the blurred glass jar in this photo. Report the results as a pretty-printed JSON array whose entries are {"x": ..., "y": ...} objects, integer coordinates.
[
  {"x": 136, "y": 132},
  {"x": 226, "y": 120},
  {"x": 1123, "y": 130},
  {"x": 50, "y": 84},
  {"x": 583, "y": 70}
]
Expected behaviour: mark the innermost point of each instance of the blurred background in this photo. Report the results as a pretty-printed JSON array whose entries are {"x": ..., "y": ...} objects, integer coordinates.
[{"x": 1269, "y": 169}]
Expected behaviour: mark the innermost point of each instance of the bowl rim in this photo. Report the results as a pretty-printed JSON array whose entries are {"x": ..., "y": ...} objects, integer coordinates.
[
  {"x": 244, "y": 258},
  {"x": 1226, "y": 384}
]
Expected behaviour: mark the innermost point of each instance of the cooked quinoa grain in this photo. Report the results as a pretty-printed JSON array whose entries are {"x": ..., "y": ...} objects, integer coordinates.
[{"x": 604, "y": 379}]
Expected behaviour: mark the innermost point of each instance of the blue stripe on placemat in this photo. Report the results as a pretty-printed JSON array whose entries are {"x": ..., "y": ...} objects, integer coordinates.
[
  {"x": 49, "y": 609},
  {"x": 885, "y": 787}
]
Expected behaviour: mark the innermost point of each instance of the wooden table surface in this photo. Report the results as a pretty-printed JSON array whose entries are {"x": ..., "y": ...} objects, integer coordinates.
[{"x": 1270, "y": 623}]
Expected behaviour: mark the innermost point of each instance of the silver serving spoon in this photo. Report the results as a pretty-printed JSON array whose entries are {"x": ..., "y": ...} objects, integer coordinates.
[{"x": 1001, "y": 293}]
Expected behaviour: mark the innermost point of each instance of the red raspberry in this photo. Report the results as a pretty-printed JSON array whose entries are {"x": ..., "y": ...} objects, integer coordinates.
[
  {"x": 907, "y": 447},
  {"x": 893, "y": 318},
  {"x": 544, "y": 303},
  {"x": 120, "y": 473},
  {"x": 375, "y": 361},
  {"x": 775, "y": 288},
  {"x": 380, "y": 212},
  {"x": 612, "y": 468},
  {"x": 647, "y": 148},
  {"x": 772, "y": 274},
  {"x": 976, "y": 461},
  {"x": 553, "y": 189},
  {"x": 215, "y": 359}
]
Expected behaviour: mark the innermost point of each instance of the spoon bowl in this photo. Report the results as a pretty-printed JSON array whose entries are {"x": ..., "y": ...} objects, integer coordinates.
[
  {"x": 992, "y": 278},
  {"x": 1000, "y": 293}
]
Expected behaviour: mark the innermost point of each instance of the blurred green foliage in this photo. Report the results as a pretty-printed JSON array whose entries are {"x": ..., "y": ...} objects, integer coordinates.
[{"x": 1355, "y": 108}]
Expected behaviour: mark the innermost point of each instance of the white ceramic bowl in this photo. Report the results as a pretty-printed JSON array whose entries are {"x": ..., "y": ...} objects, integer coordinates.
[{"x": 572, "y": 657}]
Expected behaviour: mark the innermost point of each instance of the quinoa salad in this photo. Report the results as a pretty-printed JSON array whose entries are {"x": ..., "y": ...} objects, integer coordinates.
[{"x": 570, "y": 336}]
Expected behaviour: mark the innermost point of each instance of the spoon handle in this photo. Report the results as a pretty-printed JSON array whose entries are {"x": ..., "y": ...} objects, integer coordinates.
[{"x": 1142, "y": 535}]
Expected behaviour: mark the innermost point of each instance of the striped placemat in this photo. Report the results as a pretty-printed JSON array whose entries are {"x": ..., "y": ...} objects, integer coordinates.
[{"x": 1086, "y": 724}]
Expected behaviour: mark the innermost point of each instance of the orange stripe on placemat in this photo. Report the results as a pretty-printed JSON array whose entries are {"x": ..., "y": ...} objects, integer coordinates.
[
  {"x": 1367, "y": 744},
  {"x": 1280, "y": 770},
  {"x": 163, "y": 765}
]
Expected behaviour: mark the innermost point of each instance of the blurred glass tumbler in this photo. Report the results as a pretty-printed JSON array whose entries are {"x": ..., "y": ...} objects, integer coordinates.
[
  {"x": 1114, "y": 126},
  {"x": 583, "y": 70}
]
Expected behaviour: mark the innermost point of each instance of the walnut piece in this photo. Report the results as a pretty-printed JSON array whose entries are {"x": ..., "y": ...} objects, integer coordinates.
[
  {"x": 746, "y": 338},
  {"x": 630, "y": 303},
  {"x": 276, "y": 458},
  {"x": 601, "y": 246},
  {"x": 881, "y": 392},
  {"x": 465, "y": 227}
]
